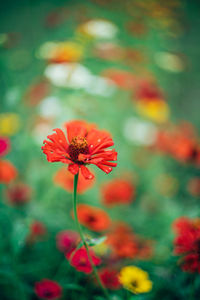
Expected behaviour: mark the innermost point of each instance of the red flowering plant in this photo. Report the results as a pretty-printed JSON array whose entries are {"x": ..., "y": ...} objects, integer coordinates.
[
  {"x": 82, "y": 145},
  {"x": 187, "y": 243},
  {"x": 48, "y": 289},
  {"x": 79, "y": 259}
]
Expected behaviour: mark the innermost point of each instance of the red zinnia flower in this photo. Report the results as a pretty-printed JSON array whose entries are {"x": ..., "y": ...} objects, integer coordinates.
[
  {"x": 18, "y": 194},
  {"x": 110, "y": 279},
  {"x": 48, "y": 289},
  {"x": 81, "y": 262},
  {"x": 7, "y": 171},
  {"x": 117, "y": 191},
  {"x": 65, "y": 179},
  {"x": 85, "y": 145},
  {"x": 4, "y": 146},
  {"x": 67, "y": 240},
  {"x": 92, "y": 217}
]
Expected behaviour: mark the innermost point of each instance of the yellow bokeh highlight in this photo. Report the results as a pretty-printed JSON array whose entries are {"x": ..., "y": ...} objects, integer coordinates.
[
  {"x": 67, "y": 51},
  {"x": 9, "y": 124},
  {"x": 156, "y": 110}
]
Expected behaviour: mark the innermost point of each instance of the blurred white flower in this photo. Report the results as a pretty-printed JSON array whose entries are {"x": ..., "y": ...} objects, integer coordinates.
[
  {"x": 140, "y": 132},
  {"x": 73, "y": 75},
  {"x": 100, "y": 28},
  {"x": 50, "y": 107}
]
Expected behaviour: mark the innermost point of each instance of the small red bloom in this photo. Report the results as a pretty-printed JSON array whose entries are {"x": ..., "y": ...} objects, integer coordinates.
[
  {"x": 92, "y": 217},
  {"x": 148, "y": 90},
  {"x": 85, "y": 145},
  {"x": 67, "y": 240},
  {"x": 7, "y": 172},
  {"x": 187, "y": 243},
  {"x": 4, "y": 146},
  {"x": 81, "y": 262},
  {"x": 48, "y": 289},
  {"x": 191, "y": 263},
  {"x": 110, "y": 279},
  {"x": 38, "y": 229},
  {"x": 117, "y": 191},
  {"x": 18, "y": 193},
  {"x": 65, "y": 179}
]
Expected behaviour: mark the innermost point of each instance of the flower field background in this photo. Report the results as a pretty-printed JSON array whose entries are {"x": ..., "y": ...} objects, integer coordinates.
[{"x": 127, "y": 74}]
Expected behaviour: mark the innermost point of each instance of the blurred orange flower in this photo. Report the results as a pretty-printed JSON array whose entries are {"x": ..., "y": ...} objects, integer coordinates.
[
  {"x": 65, "y": 179},
  {"x": 125, "y": 244},
  {"x": 93, "y": 218},
  {"x": 7, "y": 171},
  {"x": 124, "y": 79},
  {"x": 122, "y": 241},
  {"x": 117, "y": 191}
]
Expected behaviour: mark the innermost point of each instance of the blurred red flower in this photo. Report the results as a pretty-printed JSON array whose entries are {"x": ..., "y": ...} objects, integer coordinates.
[
  {"x": 67, "y": 240},
  {"x": 109, "y": 278},
  {"x": 4, "y": 146},
  {"x": 38, "y": 228},
  {"x": 187, "y": 243},
  {"x": 85, "y": 145},
  {"x": 18, "y": 193},
  {"x": 80, "y": 261},
  {"x": 48, "y": 289},
  {"x": 117, "y": 191},
  {"x": 65, "y": 179},
  {"x": 37, "y": 231},
  {"x": 148, "y": 90},
  {"x": 7, "y": 171},
  {"x": 92, "y": 217}
]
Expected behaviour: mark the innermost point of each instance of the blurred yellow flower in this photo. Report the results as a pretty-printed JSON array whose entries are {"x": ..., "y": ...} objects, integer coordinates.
[
  {"x": 156, "y": 110},
  {"x": 61, "y": 52},
  {"x": 135, "y": 280},
  {"x": 9, "y": 123},
  {"x": 67, "y": 52}
]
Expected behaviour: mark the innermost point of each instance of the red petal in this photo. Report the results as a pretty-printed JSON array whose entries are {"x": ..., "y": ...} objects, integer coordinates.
[
  {"x": 76, "y": 128},
  {"x": 104, "y": 168},
  {"x": 86, "y": 173},
  {"x": 73, "y": 168}
]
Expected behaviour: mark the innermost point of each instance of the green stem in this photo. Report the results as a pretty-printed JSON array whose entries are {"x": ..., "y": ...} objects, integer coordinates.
[{"x": 84, "y": 241}]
